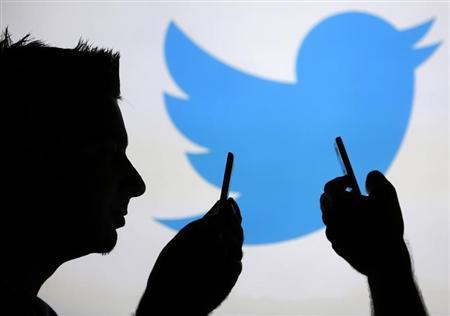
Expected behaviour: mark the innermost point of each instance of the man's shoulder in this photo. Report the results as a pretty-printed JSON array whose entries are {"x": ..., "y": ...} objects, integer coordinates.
[
  {"x": 42, "y": 308},
  {"x": 15, "y": 304}
]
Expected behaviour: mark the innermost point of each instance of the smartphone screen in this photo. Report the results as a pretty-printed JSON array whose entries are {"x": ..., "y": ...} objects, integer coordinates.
[
  {"x": 346, "y": 166},
  {"x": 227, "y": 177}
]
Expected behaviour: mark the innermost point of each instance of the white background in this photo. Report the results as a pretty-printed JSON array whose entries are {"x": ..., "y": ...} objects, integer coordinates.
[{"x": 298, "y": 277}]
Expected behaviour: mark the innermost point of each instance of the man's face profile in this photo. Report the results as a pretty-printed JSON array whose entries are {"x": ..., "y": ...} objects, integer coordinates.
[{"x": 96, "y": 180}]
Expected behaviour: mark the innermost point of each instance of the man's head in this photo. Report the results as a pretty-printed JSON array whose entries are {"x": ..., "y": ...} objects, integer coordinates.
[{"x": 68, "y": 176}]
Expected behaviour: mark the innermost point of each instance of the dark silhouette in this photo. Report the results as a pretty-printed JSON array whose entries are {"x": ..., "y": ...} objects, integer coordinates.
[
  {"x": 68, "y": 182},
  {"x": 367, "y": 231},
  {"x": 199, "y": 266}
]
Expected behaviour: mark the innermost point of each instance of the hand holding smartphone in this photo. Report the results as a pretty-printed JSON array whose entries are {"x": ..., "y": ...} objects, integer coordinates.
[{"x": 346, "y": 166}]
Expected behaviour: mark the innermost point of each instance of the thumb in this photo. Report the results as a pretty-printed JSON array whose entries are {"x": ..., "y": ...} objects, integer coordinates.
[
  {"x": 377, "y": 184},
  {"x": 384, "y": 198},
  {"x": 381, "y": 190}
]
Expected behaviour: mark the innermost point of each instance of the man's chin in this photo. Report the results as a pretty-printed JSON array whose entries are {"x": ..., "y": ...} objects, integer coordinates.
[{"x": 107, "y": 244}]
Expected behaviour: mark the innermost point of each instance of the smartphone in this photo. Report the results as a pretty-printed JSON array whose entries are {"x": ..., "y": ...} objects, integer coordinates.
[
  {"x": 345, "y": 164},
  {"x": 227, "y": 177}
]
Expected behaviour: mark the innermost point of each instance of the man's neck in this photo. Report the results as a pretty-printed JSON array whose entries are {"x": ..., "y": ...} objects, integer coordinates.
[{"x": 25, "y": 272}]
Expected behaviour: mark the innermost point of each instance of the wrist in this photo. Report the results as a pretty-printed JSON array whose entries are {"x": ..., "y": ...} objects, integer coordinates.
[
  {"x": 392, "y": 262},
  {"x": 393, "y": 288},
  {"x": 392, "y": 274},
  {"x": 168, "y": 303}
]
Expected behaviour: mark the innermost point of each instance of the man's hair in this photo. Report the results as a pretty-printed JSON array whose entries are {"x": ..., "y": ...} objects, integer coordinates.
[
  {"x": 46, "y": 87},
  {"x": 32, "y": 67}
]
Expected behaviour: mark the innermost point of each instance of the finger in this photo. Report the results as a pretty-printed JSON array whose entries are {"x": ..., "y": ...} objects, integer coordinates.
[
  {"x": 227, "y": 222},
  {"x": 225, "y": 244},
  {"x": 338, "y": 249},
  {"x": 383, "y": 198},
  {"x": 224, "y": 224},
  {"x": 233, "y": 270},
  {"x": 331, "y": 234},
  {"x": 377, "y": 184},
  {"x": 336, "y": 185},
  {"x": 336, "y": 199},
  {"x": 232, "y": 231},
  {"x": 236, "y": 267},
  {"x": 234, "y": 248},
  {"x": 325, "y": 206},
  {"x": 214, "y": 209},
  {"x": 336, "y": 210},
  {"x": 236, "y": 209},
  {"x": 325, "y": 202},
  {"x": 229, "y": 226},
  {"x": 229, "y": 208}
]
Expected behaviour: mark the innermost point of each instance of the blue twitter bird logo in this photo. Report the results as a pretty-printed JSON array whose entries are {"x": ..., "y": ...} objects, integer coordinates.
[{"x": 355, "y": 78}]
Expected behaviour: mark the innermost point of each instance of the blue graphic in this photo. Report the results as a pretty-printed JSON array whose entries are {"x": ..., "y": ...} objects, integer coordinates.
[{"x": 355, "y": 78}]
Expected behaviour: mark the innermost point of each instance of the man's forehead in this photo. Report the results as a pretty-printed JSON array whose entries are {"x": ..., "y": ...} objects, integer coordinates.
[
  {"x": 122, "y": 136},
  {"x": 117, "y": 126},
  {"x": 99, "y": 121}
]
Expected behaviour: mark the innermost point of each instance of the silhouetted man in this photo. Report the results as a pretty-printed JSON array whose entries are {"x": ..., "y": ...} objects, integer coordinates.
[
  {"x": 367, "y": 231},
  {"x": 69, "y": 181}
]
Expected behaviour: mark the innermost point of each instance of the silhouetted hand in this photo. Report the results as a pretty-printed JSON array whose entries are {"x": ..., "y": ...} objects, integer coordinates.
[
  {"x": 198, "y": 268},
  {"x": 367, "y": 231}
]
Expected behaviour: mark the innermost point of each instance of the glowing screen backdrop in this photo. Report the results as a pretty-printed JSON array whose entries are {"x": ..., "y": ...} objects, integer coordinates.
[{"x": 274, "y": 83}]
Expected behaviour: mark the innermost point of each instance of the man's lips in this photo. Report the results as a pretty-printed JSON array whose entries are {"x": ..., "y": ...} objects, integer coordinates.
[{"x": 120, "y": 221}]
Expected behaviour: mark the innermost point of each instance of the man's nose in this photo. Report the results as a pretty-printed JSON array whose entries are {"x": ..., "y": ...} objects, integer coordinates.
[{"x": 135, "y": 184}]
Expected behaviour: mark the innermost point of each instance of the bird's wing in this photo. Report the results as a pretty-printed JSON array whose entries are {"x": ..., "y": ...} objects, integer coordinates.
[{"x": 224, "y": 106}]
